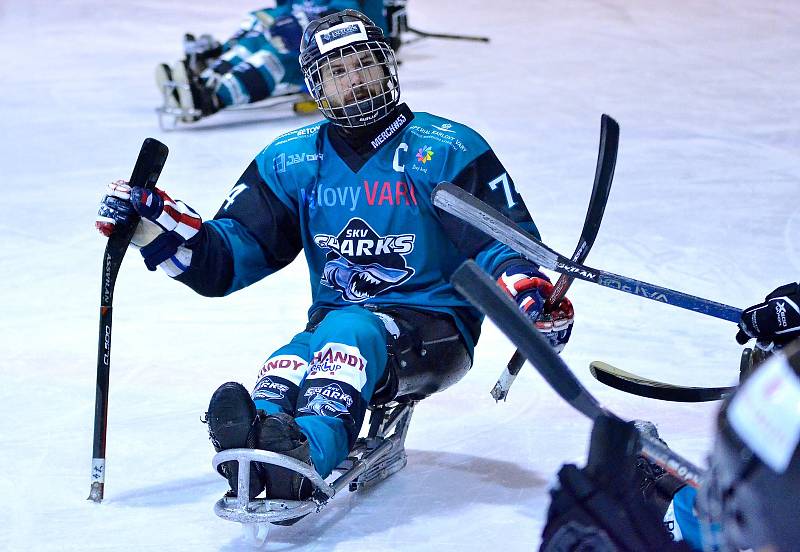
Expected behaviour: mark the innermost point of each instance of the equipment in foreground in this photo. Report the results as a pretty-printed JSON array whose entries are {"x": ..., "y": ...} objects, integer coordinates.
[{"x": 481, "y": 291}]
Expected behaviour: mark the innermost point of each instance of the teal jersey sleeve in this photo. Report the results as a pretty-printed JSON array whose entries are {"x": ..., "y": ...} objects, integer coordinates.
[
  {"x": 686, "y": 518},
  {"x": 257, "y": 230}
]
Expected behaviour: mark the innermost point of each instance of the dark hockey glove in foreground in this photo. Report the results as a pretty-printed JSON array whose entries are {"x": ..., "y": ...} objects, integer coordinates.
[
  {"x": 775, "y": 322},
  {"x": 601, "y": 507},
  {"x": 530, "y": 288}
]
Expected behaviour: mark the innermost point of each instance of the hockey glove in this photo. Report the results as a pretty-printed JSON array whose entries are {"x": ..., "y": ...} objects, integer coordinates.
[
  {"x": 600, "y": 507},
  {"x": 530, "y": 288},
  {"x": 165, "y": 225},
  {"x": 773, "y": 323}
]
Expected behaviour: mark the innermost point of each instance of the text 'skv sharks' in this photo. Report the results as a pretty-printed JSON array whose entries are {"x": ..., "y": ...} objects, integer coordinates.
[{"x": 361, "y": 264}]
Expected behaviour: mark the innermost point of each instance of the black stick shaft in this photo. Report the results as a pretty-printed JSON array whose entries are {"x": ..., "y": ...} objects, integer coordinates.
[
  {"x": 145, "y": 173},
  {"x": 603, "y": 177},
  {"x": 447, "y": 36}
]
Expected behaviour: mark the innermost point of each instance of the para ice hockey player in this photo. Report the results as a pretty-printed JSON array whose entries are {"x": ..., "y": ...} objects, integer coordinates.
[
  {"x": 352, "y": 193},
  {"x": 618, "y": 501},
  {"x": 260, "y": 60}
]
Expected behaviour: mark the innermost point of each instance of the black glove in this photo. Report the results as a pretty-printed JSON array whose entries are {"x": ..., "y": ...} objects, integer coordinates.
[
  {"x": 773, "y": 323},
  {"x": 601, "y": 507}
]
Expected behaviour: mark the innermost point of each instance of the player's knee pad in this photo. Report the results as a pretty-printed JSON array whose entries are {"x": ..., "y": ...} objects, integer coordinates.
[{"x": 428, "y": 355}]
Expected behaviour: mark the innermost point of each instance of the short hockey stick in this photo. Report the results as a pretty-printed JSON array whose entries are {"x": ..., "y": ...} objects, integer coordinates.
[
  {"x": 447, "y": 36},
  {"x": 603, "y": 177},
  {"x": 644, "y": 387},
  {"x": 467, "y": 207},
  {"x": 486, "y": 295},
  {"x": 145, "y": 174}
]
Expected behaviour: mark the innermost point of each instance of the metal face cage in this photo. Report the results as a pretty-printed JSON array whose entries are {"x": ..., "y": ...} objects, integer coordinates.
[{"x": 355, "y": 85}]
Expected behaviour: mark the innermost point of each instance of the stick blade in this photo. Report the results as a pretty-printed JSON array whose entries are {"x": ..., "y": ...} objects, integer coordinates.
[
  {"x": 152, "y": 156},
  {"x": 643, "y": 387}
]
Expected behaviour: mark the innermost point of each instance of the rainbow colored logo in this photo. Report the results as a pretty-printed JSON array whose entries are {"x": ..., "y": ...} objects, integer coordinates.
[{"x": 424, "y": 154}]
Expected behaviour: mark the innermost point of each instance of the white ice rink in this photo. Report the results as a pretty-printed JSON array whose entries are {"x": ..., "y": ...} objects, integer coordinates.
[{"x": 705, "y": 200}]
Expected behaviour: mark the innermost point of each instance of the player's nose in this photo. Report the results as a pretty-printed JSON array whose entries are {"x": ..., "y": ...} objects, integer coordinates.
[{"x": 356, "y": 78}]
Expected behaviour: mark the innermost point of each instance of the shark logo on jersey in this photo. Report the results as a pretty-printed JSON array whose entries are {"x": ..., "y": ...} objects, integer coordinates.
[
  {"x": 323, "y": 403},
  {"x": 362, "y": 264}
]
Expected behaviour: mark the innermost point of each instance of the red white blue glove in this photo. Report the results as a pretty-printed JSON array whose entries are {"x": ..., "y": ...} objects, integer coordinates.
[
  {"x": 163, "y": 230},
  {"x": 530, "y": 288},
  {"x": 775, "y": 322}
]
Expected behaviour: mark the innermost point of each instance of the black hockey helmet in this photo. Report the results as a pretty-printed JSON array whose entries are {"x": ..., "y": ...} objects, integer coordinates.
[
  {"x": 754, "y": 477},
  {"x": 349, "y": 68}
]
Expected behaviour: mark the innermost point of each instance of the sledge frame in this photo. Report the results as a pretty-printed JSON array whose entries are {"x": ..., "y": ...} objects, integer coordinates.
[{"x": 373, "y": 459}]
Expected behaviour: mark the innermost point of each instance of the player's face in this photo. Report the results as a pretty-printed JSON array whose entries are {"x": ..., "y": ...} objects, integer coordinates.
[{"x": 351, "y": 78}]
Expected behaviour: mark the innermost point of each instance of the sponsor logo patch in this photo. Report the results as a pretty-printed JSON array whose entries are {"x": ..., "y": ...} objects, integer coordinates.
[
  {"x": 282, "y": 161},
  {"x": 424, "y": 154},
  {"x": 289, "y": 367},
  {"x": 340, "y": 35},
  {"x": 389, "y": 131},
  {"x": 780, "y": 312},
  {"x": 340, "y": 362}
]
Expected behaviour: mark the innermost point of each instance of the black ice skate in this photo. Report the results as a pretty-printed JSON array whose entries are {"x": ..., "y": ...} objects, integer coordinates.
[
  {"x": 280, "y": 433},
  {"x": 232, "y": 423},
  {"x": 200, "y": 51},
  {"x": 657, "y": 486},
  {"x": 196, "y": 100}
]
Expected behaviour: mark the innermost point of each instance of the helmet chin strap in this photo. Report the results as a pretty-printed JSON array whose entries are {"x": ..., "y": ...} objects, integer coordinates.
[{"x": 373, "y": 106}]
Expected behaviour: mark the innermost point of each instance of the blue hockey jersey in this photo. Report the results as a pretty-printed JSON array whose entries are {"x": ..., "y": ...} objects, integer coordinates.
[{"x": 363, "y": 217}]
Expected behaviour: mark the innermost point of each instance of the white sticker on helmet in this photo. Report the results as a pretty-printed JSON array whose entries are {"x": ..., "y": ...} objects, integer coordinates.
[
  {"x": 340, "y": 35},
  {"x": 765, "y": 413}
]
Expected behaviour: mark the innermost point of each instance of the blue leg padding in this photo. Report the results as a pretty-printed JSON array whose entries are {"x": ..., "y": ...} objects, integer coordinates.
[{"x": 334, "y": 397}]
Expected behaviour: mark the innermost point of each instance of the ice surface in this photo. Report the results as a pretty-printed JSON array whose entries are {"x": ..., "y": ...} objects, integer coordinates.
[{"x": 705, "y": 200}]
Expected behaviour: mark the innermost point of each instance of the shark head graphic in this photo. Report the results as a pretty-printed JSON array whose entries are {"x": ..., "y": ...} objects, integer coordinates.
[
  {"x": 360, "y": 282},
  {"x": 362, "y": 264},
  {"x": 323, "y": 406}
]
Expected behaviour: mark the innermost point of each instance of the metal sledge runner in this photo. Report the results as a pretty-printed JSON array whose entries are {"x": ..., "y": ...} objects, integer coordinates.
[
  {"x": 171, "y": 115},
  {"x": 375, "y": 457}
]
